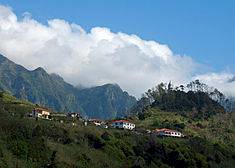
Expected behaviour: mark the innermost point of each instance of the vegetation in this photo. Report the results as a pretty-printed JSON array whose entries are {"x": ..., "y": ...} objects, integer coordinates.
[
  {"x": 26, "y": 142},
  {"x": 199, "y": 101},
  {"x": 39, "y": 87}
]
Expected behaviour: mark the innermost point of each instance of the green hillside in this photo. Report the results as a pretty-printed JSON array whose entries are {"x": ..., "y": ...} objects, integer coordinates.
[
  {"x": 26, "y": 142},
  {"x": 199, "y": 112},
  {"x": 218, "y": 128}
]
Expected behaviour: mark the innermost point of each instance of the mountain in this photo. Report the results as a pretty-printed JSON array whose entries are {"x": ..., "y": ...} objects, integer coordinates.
[
  {"x": 108, "y": 98},
  {"x": 51, "y": 90}
]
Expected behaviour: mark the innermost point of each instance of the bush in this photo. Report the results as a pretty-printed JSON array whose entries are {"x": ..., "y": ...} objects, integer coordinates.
[{"x": 95, "y": 141}]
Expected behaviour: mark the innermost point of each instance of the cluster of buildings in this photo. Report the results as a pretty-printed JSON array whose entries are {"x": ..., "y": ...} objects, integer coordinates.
[
  {"x": 120, "y": 124},
  {"x": 44, "y": 113}
]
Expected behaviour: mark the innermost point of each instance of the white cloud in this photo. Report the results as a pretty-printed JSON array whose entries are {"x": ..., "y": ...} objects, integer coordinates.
[
  {"x": 224, "y": 81},
  {"x": 91, "y": 58}
]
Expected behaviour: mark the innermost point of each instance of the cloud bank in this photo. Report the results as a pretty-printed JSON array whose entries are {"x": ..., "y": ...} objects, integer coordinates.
[
  {"x": 91, "y": 58},
  {"x": 224, "y": 81}
]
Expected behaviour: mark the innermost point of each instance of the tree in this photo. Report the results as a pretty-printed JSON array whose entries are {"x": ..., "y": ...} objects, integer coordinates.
[{"x": 181, "y": 87}]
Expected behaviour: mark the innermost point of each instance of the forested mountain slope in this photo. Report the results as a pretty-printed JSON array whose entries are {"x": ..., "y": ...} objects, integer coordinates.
[
  {"x": 26, "y": 142},
  {"x": 39, "y": 87}
]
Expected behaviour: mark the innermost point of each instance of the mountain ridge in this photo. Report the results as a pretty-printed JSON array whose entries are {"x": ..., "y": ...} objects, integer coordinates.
[{"x": 51, "y": 90}]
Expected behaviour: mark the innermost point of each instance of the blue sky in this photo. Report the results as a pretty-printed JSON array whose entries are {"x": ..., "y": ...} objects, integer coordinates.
[
  {"x": 202, "y": 29},
  {"x": 199, "y": 37}
]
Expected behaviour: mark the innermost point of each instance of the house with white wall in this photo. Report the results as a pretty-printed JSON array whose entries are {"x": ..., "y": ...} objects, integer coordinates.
[
  {"x": 74, "y": 115},
  {"x": 168, "y": 132},
  {"x": 124, "y": 124},
  {"x": 40, "y": 113},
  {"x": 96, "y": 122}
]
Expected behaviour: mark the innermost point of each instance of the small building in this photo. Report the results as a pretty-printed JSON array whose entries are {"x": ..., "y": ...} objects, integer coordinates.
[
  {"x": 124, "y": 124},
  {"x": 168, "y": 132},
  {"x": 40, "y": 113},
  {"x": 96, "y": 122},
  {"x": 74, "y": 115}
]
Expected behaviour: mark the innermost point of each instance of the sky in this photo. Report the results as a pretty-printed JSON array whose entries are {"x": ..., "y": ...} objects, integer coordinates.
[{"x": 171, "y": 40}]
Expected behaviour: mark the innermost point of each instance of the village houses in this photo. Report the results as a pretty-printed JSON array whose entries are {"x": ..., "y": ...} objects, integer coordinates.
[{"x": 121, "y": 124}]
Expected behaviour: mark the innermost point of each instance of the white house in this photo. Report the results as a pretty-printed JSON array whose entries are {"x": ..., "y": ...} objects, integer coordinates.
[
  {"x": 96, "y": 122},
  {"x": 74, "y": 115},
  {"x": 40, "y": 113},
  {"x": 123, "y": 124},
  {"x": 168, "y": 132}
]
